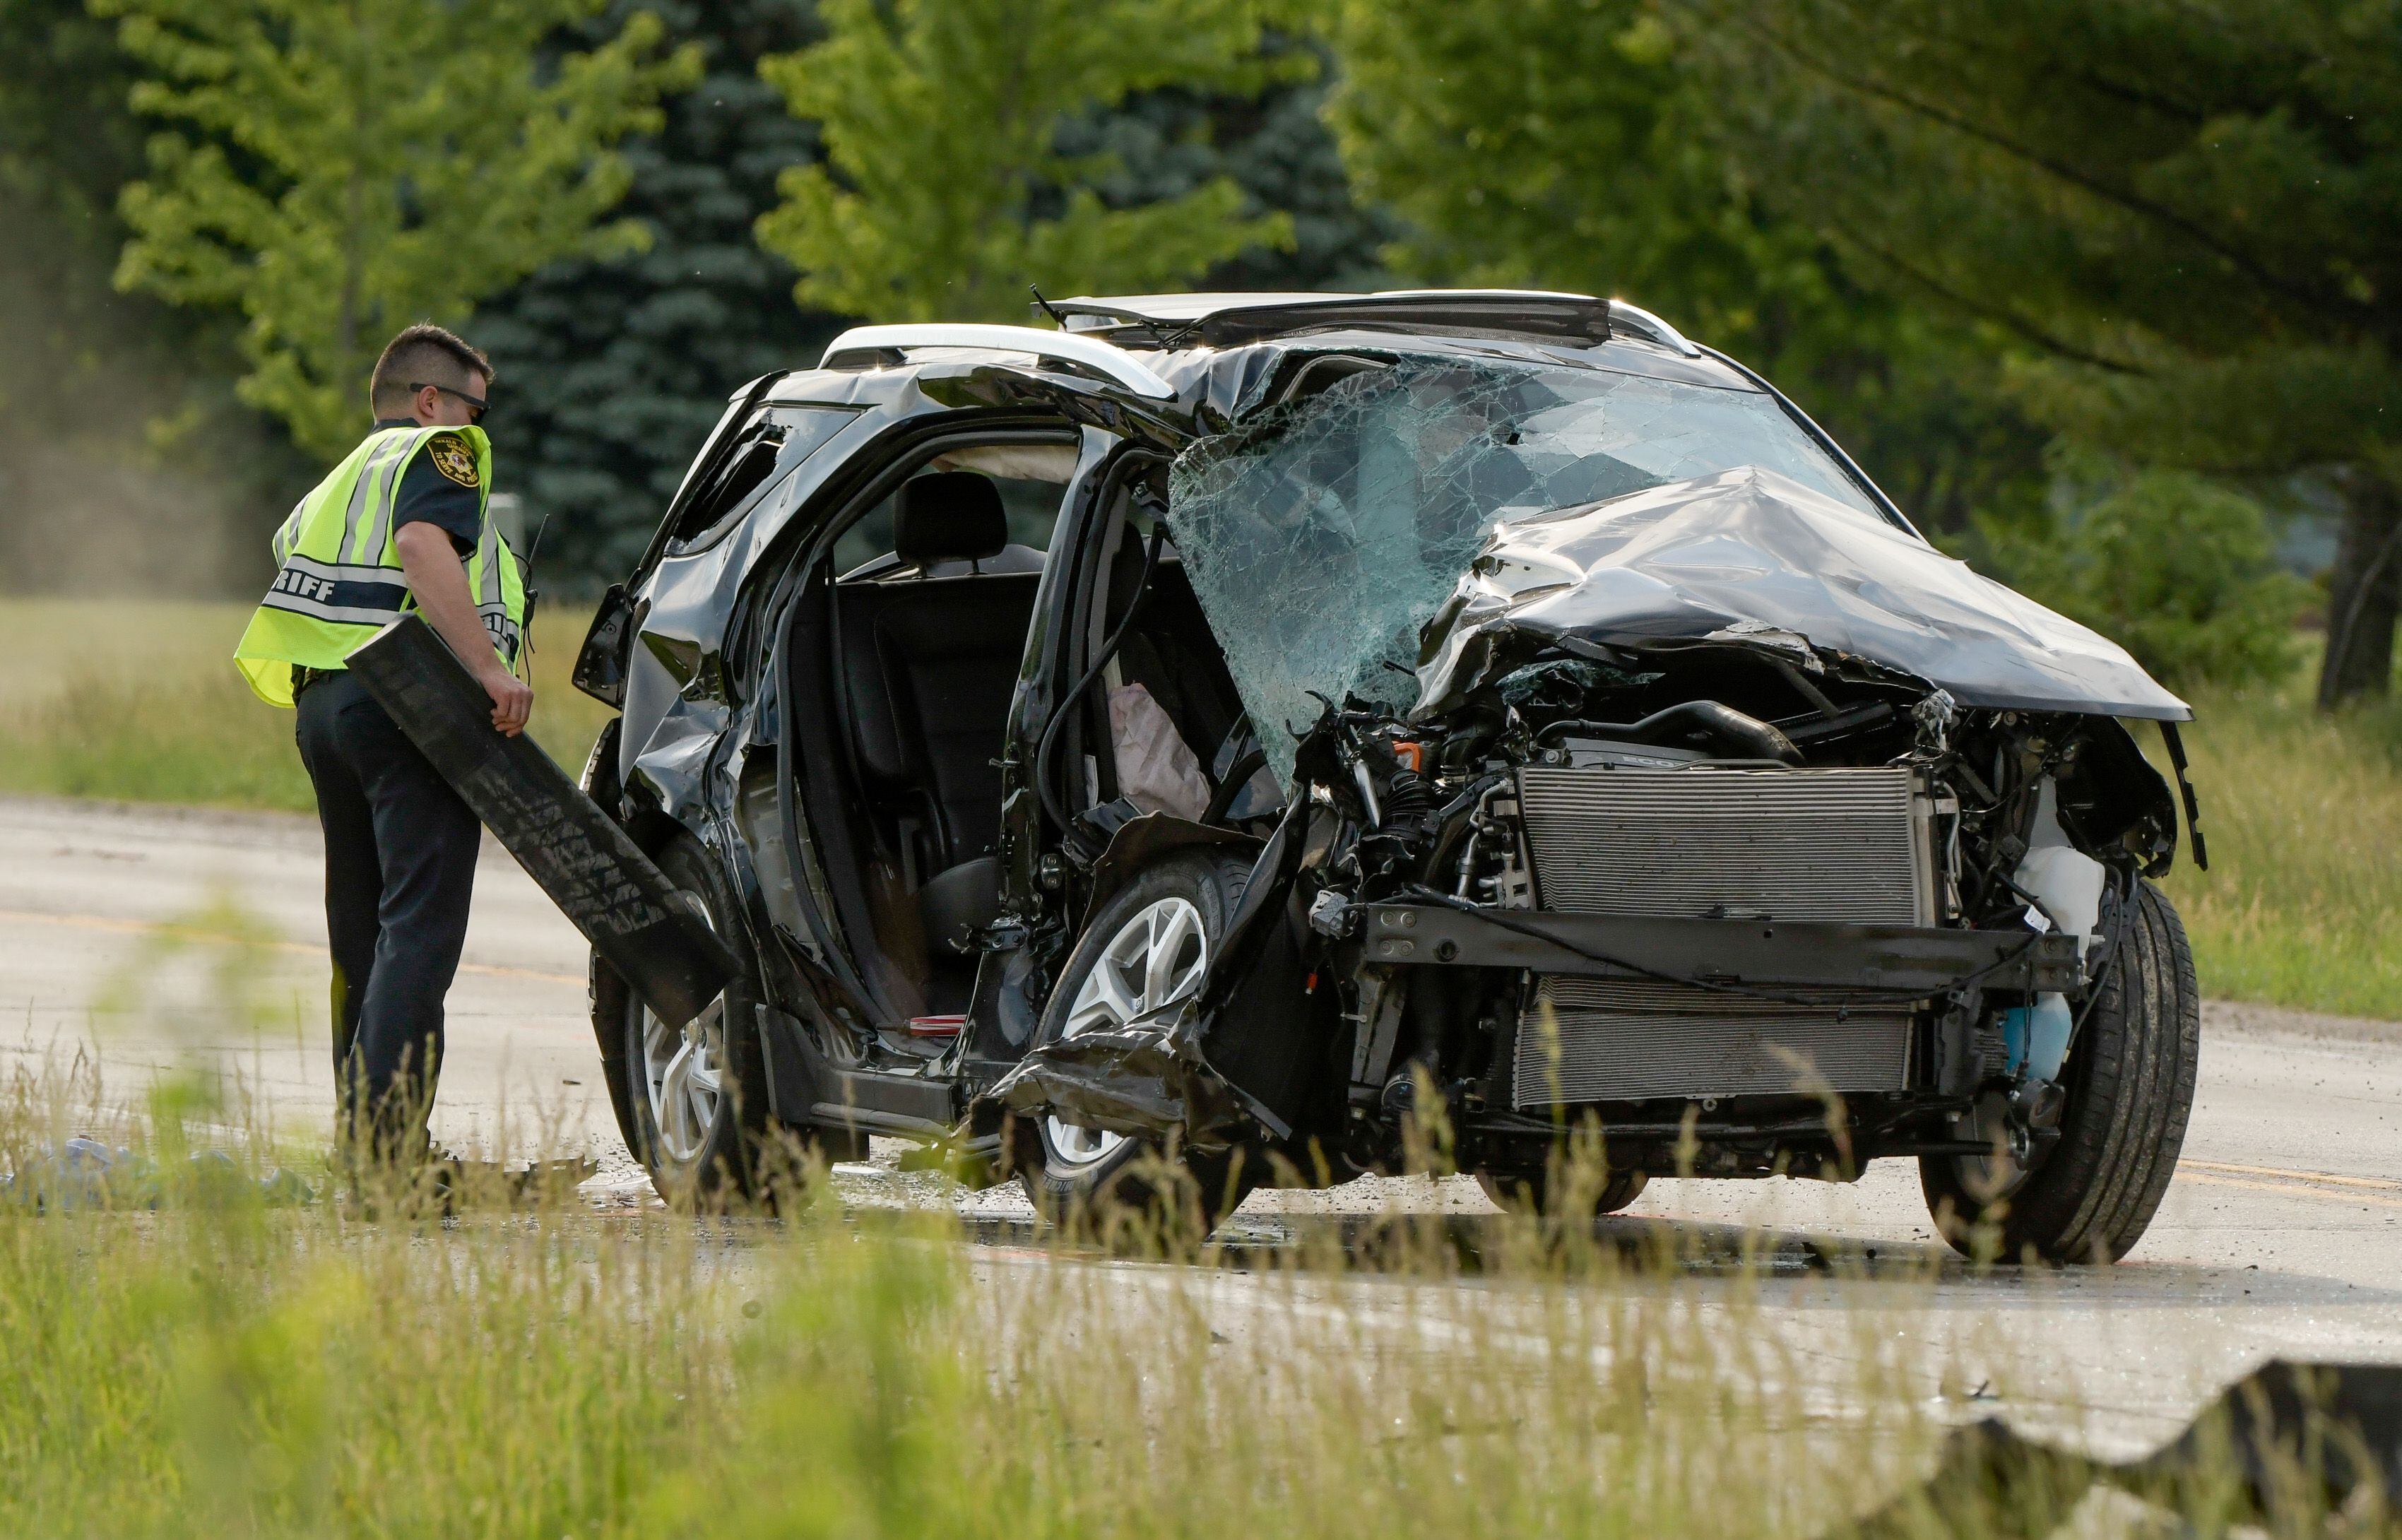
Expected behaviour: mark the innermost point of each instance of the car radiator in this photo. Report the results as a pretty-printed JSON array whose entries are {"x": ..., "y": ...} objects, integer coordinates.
[{"x": 1709, "y": 843}]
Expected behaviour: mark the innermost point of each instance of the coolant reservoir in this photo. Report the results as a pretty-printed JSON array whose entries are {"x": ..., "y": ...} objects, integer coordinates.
[
  {"x": 2068, "y": 884},
  {"x": 2067, "y": 881}
]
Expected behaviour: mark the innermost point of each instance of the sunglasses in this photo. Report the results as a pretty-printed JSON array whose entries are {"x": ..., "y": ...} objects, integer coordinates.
[{"x": 476, "y": 405}]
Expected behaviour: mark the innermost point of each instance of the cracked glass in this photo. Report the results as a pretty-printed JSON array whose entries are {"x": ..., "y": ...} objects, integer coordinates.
[{"x": 1322, "y": 535}]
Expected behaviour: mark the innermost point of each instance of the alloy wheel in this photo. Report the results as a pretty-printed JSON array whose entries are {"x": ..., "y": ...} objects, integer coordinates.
[
  {"x": 682, "y": 1076},
  {"x": 1156, "y": 958}
]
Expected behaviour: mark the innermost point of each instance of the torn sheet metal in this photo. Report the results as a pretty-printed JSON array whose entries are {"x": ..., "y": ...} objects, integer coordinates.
[
  {"x": 1143, "y": 1079},
  {"x": 1752, "y": 556},
  {"x": 1154, "y": 1078},
  {"x": 2288, "y": 1441}
]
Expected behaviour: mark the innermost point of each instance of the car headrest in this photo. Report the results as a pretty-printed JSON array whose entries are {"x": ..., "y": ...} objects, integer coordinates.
[{"x": 949, "y": 515}]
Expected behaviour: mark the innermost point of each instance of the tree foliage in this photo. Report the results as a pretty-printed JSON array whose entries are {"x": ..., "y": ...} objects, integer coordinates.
[
  {"x": 2176, "y": 568},
  {"x": 616, "y": 366},
  {"x": 2183, "y": 214},
  {"x": 336, "y": 168},
  {"x": 945, "y": 188},
  {"x": 124, "y": 460},
  {"x": 1579, "y": 145}
]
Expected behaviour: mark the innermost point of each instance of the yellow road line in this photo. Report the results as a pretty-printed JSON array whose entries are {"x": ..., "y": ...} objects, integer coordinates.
[
  {"x": 219, "y": 938},
  {"x": 2290, "y": 1190},
  {"x": 2384, "y": 1183}
]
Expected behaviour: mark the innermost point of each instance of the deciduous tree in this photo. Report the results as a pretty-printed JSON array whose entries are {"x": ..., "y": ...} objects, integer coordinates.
[
  {"x": 945, "y": 188},
  {"x": 1579, "y": 145},
  {"x": 2185, "y": 213},
  {"x": 334, "y": 168}
]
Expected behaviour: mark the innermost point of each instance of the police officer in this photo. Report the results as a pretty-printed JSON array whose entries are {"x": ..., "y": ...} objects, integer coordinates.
[{"x": 403, "y": 524}]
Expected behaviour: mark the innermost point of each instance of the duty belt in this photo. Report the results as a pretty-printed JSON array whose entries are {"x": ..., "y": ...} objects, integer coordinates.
[{"x": 303, "y": 677}]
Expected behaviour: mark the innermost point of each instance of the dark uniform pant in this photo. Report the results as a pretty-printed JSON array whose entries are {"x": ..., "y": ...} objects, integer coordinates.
[{"x": 400, "y": 868}]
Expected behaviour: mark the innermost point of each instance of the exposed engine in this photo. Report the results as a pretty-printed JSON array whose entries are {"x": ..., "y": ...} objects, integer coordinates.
[{"x": 1827, "y": 816}]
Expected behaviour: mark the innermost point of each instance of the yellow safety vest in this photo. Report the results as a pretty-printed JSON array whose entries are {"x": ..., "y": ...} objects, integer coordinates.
[{"x": 339, "y": 580}]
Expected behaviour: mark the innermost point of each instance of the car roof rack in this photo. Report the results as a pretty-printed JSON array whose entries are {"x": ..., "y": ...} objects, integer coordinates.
[
  {"x": 873, "y": 344},
  {"x": 1230, "y": 320}
]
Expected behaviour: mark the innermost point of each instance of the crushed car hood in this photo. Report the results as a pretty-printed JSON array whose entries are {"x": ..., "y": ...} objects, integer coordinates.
[{"x": 1749, "y": 555}]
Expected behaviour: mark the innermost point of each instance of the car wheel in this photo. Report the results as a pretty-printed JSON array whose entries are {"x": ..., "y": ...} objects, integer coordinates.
[
  {"x": 1533, "y": 1193},
  {"x": 692, "y": 1101},
  {"x": 1149, "y": 945},
  {"x": 2129, "y": 1090}
]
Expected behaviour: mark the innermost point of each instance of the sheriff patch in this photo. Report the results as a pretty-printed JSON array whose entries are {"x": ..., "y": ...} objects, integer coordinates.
[{"x": 453, "y": 459}]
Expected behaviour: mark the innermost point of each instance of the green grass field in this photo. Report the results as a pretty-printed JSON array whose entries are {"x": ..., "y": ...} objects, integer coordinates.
[
  {"x": 2302, "y": 905},
  {"x": 139, "y": 701}
]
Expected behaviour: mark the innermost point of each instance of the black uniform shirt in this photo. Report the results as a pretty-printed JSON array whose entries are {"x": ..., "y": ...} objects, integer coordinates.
[{"x": 438, "y": 486}]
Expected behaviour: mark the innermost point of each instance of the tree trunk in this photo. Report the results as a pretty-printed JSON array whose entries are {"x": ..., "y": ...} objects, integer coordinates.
[{"x": 2365, "y": 595}]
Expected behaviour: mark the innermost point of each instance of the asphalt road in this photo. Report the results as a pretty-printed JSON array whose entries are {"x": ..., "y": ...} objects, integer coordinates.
[{"x": 150, "y": 941}]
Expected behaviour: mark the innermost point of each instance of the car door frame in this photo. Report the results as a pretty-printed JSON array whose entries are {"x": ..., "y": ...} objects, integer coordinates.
[{"x": 882, "y": 465}]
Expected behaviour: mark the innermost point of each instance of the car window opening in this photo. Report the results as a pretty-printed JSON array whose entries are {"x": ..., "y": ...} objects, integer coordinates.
[
  {"x": 775, "y": 440},
  {"x": 1160, "y": 725}
]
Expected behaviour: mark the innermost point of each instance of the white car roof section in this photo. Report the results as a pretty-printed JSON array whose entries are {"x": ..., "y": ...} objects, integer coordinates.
[
  {"x": 1095, "y": 310},
  {"x": 1112, "y": 363}
]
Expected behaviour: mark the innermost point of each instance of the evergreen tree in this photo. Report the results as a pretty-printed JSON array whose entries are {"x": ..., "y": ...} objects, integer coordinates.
[
  {"x": 2182, "y": 212},
  {"x": 337, "y": 169},
  {"x": 946, "y": 187},
  {"x": 1275, "y": 145},
  {"x": 1577, "y": 145},
  {"x": 616, "y": 367}
]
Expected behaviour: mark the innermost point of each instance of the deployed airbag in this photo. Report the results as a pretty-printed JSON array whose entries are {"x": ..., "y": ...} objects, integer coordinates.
[{"x": 1156, "y": 770}]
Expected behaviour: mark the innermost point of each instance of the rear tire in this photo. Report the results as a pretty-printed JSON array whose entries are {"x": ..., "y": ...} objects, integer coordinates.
[
  {"x": 692, "y": 1103},
  {"x": 1149, "y": 945},
  {"x": 2130, "y": 1084}
]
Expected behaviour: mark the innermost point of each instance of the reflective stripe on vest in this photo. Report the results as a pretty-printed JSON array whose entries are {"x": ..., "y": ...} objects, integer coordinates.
[{"x": 339, "y": 580}]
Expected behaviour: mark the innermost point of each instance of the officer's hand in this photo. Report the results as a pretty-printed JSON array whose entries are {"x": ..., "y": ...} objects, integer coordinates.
[{"x": 512, "y": 699}]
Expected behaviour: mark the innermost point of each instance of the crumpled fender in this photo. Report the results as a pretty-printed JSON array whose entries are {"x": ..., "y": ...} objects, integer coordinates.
[
  {"x": 1215, "y": 1069},
  {"x": 1142, "y": 1081},
  {"x": 1139, "y": 842}
]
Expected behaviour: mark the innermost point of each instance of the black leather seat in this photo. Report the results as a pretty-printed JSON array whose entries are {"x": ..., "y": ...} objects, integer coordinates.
[{"x": 929, "y": 666}]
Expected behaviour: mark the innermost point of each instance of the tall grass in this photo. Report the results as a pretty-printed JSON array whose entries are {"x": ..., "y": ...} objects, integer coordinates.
[
  {"x": 2303, "y": 904},
  {"x": 217, "y": 1366},
  {"x": 185, "y": 1355}
]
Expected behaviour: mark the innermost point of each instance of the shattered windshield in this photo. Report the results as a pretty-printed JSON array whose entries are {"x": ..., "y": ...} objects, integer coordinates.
[{"x": 1321, "y": 537}]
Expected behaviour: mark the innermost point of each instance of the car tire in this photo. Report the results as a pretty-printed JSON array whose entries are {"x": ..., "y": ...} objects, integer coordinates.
[
  {"x": 1168, "y": 921},
  {"x": 1520, "y": 1194},
  {"x": 707, "y": 1083},
  {"x": 2129, "y": 1081}
]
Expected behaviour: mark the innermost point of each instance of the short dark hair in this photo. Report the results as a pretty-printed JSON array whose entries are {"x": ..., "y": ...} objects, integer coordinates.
[{"x": 424, "y": 354}]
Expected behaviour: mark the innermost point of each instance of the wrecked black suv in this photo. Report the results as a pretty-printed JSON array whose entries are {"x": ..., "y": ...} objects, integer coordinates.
[{"x": 1193, "y": 739}]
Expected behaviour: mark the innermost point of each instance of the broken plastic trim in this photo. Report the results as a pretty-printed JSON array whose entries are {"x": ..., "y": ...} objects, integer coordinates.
[
  {"x": 612, "y": 892},
  {"x": 2175, "y": 741}
]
